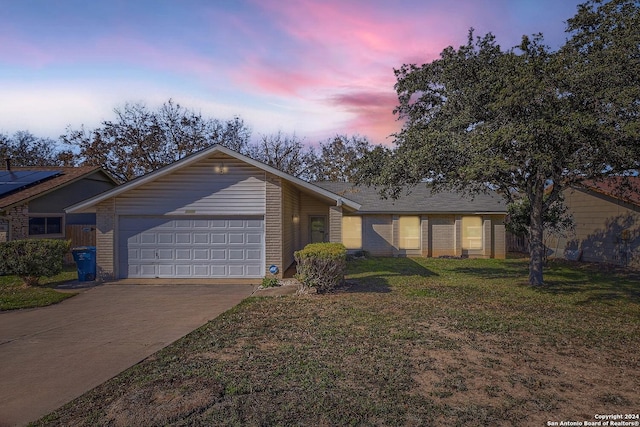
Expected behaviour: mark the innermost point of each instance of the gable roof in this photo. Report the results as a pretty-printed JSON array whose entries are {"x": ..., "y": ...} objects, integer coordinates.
[
  {"x": 67, "y": 176},
  {"x": 419, "y": 200},
  {"x": 203, "y": 154},
  {"x": 621, "y": 188}
]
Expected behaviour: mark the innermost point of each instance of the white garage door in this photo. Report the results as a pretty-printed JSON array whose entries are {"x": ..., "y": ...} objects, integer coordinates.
[{"x": 166, "y": 247}]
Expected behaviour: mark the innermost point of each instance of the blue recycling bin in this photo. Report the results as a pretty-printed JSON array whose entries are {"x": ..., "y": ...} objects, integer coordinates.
[{"x": 85, "y": 258}]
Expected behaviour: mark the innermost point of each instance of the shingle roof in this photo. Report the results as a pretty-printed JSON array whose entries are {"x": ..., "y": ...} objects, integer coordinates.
[
  {"x": 67, "y": 175},
  {"x": 419, "y": 200},
  {"x": 618, "y": 188}
]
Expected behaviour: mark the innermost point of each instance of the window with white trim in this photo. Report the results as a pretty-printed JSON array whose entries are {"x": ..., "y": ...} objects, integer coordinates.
[
  {"x": 352, "y": 232},
  {"x": 471, "y": 232},
  {"x": 46, "y": 225},
  {"x": 409, "y": 236}
]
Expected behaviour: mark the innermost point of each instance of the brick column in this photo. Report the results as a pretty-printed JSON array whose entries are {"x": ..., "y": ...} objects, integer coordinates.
[
  {"x": 105, "y": 240},
  {"x": 457, "y": 247},
  {"x": 273, "y": 224},
  {"x": 19, "y": 222},
  {"x": 335, "y": 224},
  {"x": 487, "y": 234}
]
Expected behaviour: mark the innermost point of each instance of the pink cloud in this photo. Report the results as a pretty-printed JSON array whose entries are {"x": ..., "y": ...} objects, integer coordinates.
[{"x": 373, "y": 114}]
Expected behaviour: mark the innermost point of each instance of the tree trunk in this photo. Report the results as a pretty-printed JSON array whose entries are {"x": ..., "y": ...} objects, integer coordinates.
[{"x": 536, "y": 230}]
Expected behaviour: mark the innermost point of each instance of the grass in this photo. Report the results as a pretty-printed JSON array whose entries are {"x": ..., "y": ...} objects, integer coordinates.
[
  {"x": 15, "y": 295},
  {"x": 404, "y": 342}
]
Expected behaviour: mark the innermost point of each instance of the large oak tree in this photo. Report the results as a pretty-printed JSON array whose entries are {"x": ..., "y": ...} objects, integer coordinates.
[
  {"x": 522, "y": 120},
  {"x": 142, "y": 140}
]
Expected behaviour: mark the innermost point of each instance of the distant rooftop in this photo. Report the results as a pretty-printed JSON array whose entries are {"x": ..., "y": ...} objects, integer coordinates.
[{"x": 61, "y": 177}]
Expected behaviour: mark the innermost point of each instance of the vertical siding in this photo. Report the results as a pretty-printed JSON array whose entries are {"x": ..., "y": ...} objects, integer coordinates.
[
  {"x": 600, "y": 224},
  {"x": 199, "y": 190},
  {"x": 273, "y": 223},
  {"x": 377, "y": 234},
  {"x": 80, "y": 235},
  {"x": 443, "y": 234},
  {"x": 105, "y": 235}
]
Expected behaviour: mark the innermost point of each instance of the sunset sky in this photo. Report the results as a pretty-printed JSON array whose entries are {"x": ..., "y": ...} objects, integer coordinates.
[{"x": 310, "y": 67}]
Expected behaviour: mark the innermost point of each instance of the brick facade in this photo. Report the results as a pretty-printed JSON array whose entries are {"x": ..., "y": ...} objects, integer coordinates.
[{"x": 17, "y": 218}]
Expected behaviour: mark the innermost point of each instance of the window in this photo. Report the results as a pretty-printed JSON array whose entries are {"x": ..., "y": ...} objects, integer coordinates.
[
  {"x": 471, "y": 232},
  {"x": 45, "y": 225},
  {"x": 409, "y": 232},
  {"x": 352, "y": 232}
]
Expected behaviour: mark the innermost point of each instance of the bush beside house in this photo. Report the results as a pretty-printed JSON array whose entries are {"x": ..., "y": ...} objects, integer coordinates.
[{"x": 321, "y": 265}]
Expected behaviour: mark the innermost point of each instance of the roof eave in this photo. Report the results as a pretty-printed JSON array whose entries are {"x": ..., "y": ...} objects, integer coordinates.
[{"x": 89, "y": 204}]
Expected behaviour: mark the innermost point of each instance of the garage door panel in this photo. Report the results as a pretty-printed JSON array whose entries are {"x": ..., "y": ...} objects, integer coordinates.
[
  {"x": 147, "y": 254},
  {"x": 200, "y": 270},
  {"x": 236, "y": 254},
  {"x": 165, "y": 254},
  {"x": 182, "y": 248},
  {"x": 218, "y": 239},
  {"x": 166, "y": 270},
  {"x": 148, "y": 238},
  {"x": 183, "y": 238},
  {"x": 183, "y": 270},
  {"x": 236, "y": 238},
  {"x": 253, "y": 238},
  {"x": 236, "y": 271},
  {"x": 165, "y": 238},
  {"x": 201, "y": 254},
  {"x": 183, "y": 255},
  {"x": 200, "y": 238}
]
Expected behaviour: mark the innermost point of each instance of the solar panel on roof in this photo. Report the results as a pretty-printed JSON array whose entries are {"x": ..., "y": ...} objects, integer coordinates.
[{"x": 15, "y": 180}]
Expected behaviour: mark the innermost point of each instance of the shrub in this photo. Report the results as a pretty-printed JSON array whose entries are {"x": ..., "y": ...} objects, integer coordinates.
[
  {"x": 31, "y": 259},
  {"x": 270, "y": 282},
  {"x": 321, "y": 265}
]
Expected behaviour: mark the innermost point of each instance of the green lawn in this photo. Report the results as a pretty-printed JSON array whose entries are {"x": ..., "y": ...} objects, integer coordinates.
[
  {"x": 14, "y": 295},
  {"x": 405, "y": 342}
]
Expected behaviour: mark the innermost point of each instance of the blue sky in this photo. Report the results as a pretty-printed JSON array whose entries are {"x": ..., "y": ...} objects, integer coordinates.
[{"x": 313, "y": 68}]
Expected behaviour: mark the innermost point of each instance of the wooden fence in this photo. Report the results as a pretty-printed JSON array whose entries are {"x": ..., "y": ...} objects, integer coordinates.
[
  {"x": 80, "y": 235},
  {"x": 517, "y": 243}
]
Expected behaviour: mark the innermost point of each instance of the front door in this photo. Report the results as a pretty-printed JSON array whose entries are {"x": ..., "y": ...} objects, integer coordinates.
[{"x": 317, "y": 225}]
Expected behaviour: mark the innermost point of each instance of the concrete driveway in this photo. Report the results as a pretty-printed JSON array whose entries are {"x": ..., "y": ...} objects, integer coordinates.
[{"x": 51, "y": 355}]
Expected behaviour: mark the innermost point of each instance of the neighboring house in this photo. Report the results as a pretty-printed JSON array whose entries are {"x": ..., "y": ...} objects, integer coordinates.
[
  {"x": 607, "y": 223},
  {"x": 32, "y": 200},
  {"x": 219, "y": 214}
]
